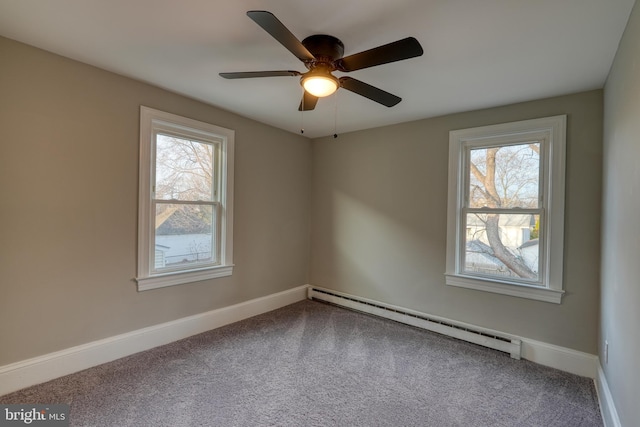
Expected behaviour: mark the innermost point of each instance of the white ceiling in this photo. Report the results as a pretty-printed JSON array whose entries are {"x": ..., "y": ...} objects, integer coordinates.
[{"x": 478, "y": 53}]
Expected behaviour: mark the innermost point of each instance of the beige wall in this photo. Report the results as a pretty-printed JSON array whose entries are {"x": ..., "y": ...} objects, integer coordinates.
[
  {"x": 68, "y": 206},
  {"x": 620, "y": 309},
  {"x": 379, "y": 219}
]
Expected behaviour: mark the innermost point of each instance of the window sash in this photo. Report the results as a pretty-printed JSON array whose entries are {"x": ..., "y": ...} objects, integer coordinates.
[
  {"x": 466, "y": 209},
  {"x": 215, "y": 241},
  {"x": 461, "y": 261},
  {"x": 213, "y": 202},
  {"x": 499, "y": 142},
  {"x": 216, "y": 168}
]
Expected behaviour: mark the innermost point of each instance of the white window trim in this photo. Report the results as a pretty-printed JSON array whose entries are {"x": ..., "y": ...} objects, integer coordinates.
[
  {"x": 554, "y": 131},
  {"x": 151, "y": 119}
]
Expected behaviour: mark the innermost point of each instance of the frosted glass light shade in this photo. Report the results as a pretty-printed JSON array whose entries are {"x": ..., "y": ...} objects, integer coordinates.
[{"x": 320, "y": 86}]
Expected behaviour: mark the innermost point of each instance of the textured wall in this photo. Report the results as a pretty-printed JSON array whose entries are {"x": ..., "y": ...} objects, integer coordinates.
[
  {"x": 620, "y": 309},
  {"x": 68, "y": 211},
  {"x": 379, "y": 219}
]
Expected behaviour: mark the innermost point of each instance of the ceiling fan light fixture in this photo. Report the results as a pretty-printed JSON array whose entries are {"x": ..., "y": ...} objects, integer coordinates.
[
  {"x": 319, "y": 85},
  {"x": 322, "y": 54}
]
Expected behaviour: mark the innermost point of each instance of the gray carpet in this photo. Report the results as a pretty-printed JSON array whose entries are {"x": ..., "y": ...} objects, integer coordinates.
[{"x": 312, "y": 364}]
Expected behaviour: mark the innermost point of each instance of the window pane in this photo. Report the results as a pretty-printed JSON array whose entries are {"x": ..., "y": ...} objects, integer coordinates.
[
  {"x": 504, "y": 176},
  {"x": 184, "y": 235},
  {"x": 184, "y": 169},
  {"x": 504, "y": 245}
]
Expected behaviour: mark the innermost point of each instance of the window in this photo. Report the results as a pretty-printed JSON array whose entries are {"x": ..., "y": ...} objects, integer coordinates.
[
  {"x": 506, "y": 208},
  {"x": 185, "y": 224}
]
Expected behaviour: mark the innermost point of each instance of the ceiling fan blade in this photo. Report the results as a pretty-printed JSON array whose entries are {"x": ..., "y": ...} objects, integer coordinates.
[
  {"x": 252, "y": 74},
  {"x": 368, "y": 91},
  {"x": 396, "y": 51},
  {"x": 308, "y": 102},
  {"x": 278, "y": 31}
]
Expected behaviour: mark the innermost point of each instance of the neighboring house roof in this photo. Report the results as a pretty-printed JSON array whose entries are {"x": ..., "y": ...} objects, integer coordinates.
[
  {"x": 481, "y": 253},
  {"x": 529, "y": 243}
]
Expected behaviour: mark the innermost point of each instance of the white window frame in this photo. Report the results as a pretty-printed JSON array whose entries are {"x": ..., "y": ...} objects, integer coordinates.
[
  {"x": 154, "y": 121},
  {"x": 551, "y": 132}
]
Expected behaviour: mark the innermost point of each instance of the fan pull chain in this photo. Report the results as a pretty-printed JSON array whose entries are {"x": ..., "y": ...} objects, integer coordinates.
[
  {"x": 335, "y": 116},
  {"x": 302, "y": 114}
]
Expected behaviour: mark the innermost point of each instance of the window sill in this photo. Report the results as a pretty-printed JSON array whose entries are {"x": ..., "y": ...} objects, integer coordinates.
[
  {"x": 179, "y": 278},
  {"x": 521, "y": 291}
]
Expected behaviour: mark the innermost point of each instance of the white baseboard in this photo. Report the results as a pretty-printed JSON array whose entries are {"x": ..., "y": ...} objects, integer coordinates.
[
  {"x": 562, "y": 358},
  {"x": 607, "y": 406},
  {"x": 53, "y": 365}
]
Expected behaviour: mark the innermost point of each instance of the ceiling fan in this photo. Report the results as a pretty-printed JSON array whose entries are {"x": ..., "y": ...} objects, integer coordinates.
[{"x": 321, "y": 55}]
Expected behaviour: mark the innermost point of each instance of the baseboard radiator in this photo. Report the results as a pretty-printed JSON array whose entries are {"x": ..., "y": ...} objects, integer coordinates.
[{"x": 473, "y": 334}]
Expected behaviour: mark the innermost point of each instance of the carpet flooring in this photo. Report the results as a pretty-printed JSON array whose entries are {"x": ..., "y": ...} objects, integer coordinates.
[{"x": 313, "y": 364}]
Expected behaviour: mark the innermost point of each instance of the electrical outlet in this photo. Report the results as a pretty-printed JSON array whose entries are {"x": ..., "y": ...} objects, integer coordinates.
[{"x": 606, "y": 351}]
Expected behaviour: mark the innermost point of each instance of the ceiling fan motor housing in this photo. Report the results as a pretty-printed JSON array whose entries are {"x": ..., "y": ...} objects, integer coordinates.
[{"x": 326, "y": 49}]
